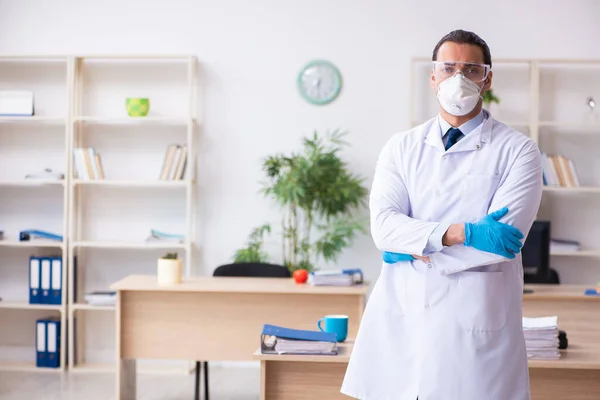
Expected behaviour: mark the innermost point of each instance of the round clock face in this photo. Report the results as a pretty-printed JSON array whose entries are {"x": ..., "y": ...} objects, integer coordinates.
[{"x": 319, "y": 82}]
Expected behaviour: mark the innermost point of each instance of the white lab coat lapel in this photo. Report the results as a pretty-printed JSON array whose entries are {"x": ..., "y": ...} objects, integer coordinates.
[{"x": 471, "y": 142}]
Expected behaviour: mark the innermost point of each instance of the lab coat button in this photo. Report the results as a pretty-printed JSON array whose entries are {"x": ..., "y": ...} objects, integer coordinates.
[
  {"x": 426, "y": 306},
  {"x": 429, "y": 265}
]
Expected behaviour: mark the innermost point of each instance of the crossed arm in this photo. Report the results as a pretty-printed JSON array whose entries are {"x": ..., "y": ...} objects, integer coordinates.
[{"x": 394, "y": 231}]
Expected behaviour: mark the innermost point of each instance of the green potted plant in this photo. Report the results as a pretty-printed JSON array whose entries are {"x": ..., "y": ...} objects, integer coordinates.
[
  {"x": 319, "y": 198},
  {"x": 489, "y": 97},
  {"x": 169, "y": 269}
]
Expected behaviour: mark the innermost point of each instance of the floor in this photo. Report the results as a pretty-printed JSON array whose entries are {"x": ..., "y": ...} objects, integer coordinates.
[{"x": 226, "y": 383}]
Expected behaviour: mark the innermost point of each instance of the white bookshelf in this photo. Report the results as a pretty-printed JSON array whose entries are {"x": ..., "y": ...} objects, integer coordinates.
[
  {"x": 546, "y": 99},
  {"x": 110, "y": 219},
  {"x": 30, "y": 144}
]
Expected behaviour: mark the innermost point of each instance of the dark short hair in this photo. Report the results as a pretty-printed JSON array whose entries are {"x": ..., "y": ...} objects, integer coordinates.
[{"x": 465, "y": 37}]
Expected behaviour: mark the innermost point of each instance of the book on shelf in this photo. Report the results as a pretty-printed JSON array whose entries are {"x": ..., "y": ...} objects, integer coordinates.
[
  {"x": 559, "y": 170},
  {"x": 174, "y": 164},
  {"x": 158, "y": 236},
  {"x": 280, "y": 340},
  {"x": 46, "y": 174},
  {"x": 101, "y": 298},
  {"x": 87, "y": 163}
]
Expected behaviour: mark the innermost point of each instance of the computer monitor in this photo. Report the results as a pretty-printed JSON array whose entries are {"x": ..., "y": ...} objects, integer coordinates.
[{"x": 536, "y": 253}]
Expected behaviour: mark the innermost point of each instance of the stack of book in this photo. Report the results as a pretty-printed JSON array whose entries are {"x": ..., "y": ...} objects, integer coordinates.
[
  {"x": 559, "y": 171},
  {"x": 101, "y": 298},
  {"x": 279, "y": 340},
  {"x": 174, "y": 164},
  {"x": 560, "y": 246},
  {"x": 541, "y": 338},
  {"x": 88, "y": 165},
  {"x": 344, "y": 277}
]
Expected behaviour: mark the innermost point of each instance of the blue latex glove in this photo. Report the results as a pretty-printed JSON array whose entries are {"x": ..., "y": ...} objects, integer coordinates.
[
  {"x": 391, "y": 258},
  {"x": 492, "y": 236}
]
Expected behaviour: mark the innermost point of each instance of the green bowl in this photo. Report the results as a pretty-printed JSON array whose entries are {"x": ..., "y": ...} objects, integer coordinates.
[{"x": 137, "y": 106}]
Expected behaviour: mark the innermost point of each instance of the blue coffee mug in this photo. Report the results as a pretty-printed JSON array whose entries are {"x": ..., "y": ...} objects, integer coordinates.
[{"x": 337, "y": 324}]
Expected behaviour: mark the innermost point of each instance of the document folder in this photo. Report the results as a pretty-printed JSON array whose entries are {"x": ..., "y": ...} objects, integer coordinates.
[
  {"x": 280, "y": 340},
  {"x": 56, "y": 281},
  {"x": 40, "y": 346},
  {"x": 45, "y": 280},
  {"x": 34, "y": 281},
  {"x": 53, "y": 345}
]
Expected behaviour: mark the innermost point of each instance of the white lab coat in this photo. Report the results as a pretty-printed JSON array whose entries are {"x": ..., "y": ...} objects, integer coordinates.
[{"x": 450, "y": 330}]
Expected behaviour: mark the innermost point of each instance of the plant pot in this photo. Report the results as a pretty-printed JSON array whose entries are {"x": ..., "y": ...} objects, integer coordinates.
[
  {"x": 137, "y": 106},
  {"x": 168, "y": 271}
]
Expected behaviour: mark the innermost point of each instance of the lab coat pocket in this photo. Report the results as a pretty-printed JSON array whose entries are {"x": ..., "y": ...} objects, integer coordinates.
[
  {"x": 477, "y": 191},
  {"x": 481, "y": 305}
]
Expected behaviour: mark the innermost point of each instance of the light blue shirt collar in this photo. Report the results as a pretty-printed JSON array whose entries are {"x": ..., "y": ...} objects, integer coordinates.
[{"x": 465, "y": 128}]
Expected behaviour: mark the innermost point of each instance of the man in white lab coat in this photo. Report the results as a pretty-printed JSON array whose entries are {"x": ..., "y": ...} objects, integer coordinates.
[{"x": 451, "y": 203}]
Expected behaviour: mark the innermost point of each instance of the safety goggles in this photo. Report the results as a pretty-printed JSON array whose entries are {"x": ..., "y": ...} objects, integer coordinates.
[{"x": 445, "y": 69}]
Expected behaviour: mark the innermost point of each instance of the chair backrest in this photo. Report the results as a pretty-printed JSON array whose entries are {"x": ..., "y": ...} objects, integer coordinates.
[{"x": 256, "y": 270}]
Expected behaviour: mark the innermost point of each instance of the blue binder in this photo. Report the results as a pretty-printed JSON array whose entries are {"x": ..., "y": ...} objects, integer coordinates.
[
  {"x": 48, "y": 343},
  {"x": 53, "y": 343},
  {"x": 271, "y": 333},
  {"x": 35, "y": 280},
  {"x": 56, "y": 273},
  {"x": 298, "y": 334},
  {"x": 45, "y": 279},
  {"x": 40, "y": 344}
]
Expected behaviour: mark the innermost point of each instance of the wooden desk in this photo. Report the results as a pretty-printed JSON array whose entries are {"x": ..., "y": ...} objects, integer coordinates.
[
  {"x": 209, "y": 318},
  {"x": 576, "y": 376}
]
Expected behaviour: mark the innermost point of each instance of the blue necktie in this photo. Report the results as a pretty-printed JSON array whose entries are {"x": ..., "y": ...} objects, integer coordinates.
[{"x": 453, "y": 136}]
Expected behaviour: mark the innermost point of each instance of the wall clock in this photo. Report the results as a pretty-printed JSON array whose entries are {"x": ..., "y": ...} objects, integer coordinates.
[{"x": 319, "y": 82}]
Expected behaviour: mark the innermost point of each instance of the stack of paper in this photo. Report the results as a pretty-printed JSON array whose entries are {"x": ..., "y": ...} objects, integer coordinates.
[
  {"x": 346, "y": 277},
  {"x": 101, "y": 298},
  {"x": 541, "y": 338},
  {"x": 280, "y": 340},
  {"x": 283, "y": 346},
  {"x": 558, "y": 245}
]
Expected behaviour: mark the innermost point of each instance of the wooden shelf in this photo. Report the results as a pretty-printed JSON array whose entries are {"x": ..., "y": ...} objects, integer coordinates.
[
  {"x": 32, "y": 183},
  {"x": 135, "y": 120},
  {"x": 26, "y": 367},
  {"x": 85, "y": 306},
  {"x": 32, "y": 243},
  {"x": 133, "y": 183},
  {"x": 578, "y": 189},
  {"x": 579, "y": 253},
  {"x": 32, "y": 120},
  {"x": 26, "y": 306},
  {"x": 93, "y": 368},
  {"x": 573, "y": 125},
  {"x": 129, "y": 245},
  {"x": 110, "y": 368}
]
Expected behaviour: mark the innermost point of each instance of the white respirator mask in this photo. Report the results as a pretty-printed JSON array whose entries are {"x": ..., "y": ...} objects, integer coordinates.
[{"x": 458, "y": 95}]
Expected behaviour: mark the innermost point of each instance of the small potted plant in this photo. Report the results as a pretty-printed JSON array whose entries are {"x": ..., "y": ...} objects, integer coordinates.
[
  {"x": 169, "y": 269},
  {"x": 488, "y": 98}
]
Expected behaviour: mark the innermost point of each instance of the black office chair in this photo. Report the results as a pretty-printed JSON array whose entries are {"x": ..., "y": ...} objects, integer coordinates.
[{"x": 252, "y": 270}]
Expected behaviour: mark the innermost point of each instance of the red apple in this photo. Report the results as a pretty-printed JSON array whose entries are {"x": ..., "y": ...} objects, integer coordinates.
[{"x": 300, "y": 275}]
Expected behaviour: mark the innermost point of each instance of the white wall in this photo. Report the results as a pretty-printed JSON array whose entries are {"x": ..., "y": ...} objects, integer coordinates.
[{"x": 250, "y": 53}]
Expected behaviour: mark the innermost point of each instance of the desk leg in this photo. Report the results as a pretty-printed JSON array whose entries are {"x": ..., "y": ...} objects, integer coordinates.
[
  {"x": 126, "y": 380},
  {"x": 263, "y": 380},
  {"x": 126, "y": 368}
]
